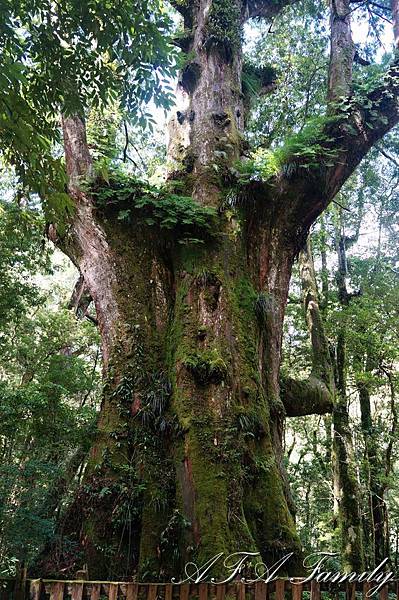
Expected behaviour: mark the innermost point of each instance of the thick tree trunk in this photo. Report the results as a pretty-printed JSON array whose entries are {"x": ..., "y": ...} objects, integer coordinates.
[
  {"x": 187, "y": 462},
  {"x": 229, "y": 482},
  {"x": 188, "y": 458},
  {"x": 203, "y": 458}
]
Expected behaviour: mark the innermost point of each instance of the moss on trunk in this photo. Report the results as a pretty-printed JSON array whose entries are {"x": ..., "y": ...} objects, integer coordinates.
[
  {"x": 189, "y": 450},
  {"x": 185, "y": 435}
]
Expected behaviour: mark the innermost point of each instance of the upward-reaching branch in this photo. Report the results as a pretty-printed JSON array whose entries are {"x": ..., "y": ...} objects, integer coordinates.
[
  {"x": 342, "y": 50},
  {"x": 79, "y": 163},
  {"x": 86, "y": 244}
]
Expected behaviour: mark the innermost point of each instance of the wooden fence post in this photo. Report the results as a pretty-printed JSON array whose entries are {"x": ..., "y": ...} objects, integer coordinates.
[
  {"x": 35, "y": 589},
  {"x": 260, "y": 590},
  {"x": 314, "y": 590},
  {"x": 20, "y": 583},
  {"x": 280, "y": 585},
  {"x": 296, "y": 591},
  {"x": 57, "y": 590}
]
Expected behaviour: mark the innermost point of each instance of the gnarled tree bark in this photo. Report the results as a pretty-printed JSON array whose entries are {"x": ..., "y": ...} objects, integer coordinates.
[{"x": 187, "y": 461}]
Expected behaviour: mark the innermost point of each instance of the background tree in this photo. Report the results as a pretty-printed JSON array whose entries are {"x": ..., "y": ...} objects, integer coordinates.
[
  {"x": 364, "y": 324},
  {"x": 48, "y": 387}
]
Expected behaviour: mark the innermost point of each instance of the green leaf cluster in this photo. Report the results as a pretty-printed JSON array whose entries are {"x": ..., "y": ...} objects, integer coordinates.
[
  {"x": 306, "y": 149},
  {"x": 138, "y": 202},
  {"x": 67, "y": 56}
]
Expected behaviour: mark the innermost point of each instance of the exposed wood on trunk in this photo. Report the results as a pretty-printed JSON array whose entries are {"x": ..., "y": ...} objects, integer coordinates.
[{"x": 80, "y": 300}]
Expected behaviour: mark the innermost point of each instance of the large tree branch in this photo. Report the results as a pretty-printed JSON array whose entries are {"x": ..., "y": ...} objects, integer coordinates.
[
  {"x": 309, "y": 181},
  {"x": 367, "y": 122},
  {"x": 362, "y": 123},
  {"x": 305, "y": 397},
  {"x": 341, "y": 145},
  {"x": 315, "y": 395},
  {"x": 86, "y": 243},
  {"x": 342, "y": 50}
]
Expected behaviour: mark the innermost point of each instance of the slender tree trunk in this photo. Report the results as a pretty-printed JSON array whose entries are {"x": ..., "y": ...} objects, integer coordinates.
[
  {"x": 346, "y": 484},
  {"x": 375, "y": 471},
  {"x": 345, "y": 481}
]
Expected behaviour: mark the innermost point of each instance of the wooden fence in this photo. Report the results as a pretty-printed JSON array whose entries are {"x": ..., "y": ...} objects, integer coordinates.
[{"x": 281, "y": 589}]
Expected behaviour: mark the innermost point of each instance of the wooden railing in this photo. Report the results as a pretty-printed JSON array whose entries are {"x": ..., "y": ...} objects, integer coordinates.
[{"x": 281, "y": 589}]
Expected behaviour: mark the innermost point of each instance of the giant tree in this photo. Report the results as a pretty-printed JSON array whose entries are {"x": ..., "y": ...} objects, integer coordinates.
[{"x": 190, "y": 284}]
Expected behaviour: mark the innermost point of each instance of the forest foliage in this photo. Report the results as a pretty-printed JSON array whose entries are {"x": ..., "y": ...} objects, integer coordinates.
[{"x": 50, "y": 362}]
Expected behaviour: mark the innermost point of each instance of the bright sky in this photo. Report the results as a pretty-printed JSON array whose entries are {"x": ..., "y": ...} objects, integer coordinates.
[{"x": 360, "y": 31}]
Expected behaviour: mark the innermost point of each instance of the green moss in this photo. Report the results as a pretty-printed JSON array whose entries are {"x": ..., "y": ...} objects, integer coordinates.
[
  {"x": 271, "y": 522},
  {"x": 306, "y": 149},
  {"x": 206, "y": 367},
  {"x": 223, "y": 27},
  {"x": 211, "y": 492},
  {"x": 244, "y": 297},
  {"x": 230, "y": 484},
  {"x": 212, "y": 482}
]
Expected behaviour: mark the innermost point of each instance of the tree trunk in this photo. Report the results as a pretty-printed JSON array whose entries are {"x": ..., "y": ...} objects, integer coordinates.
[
  {"x": 191, "y": 415},
  {"x": 187, "y": 462},
  {"x": 346, "y": 484},
  {"x": 377, "y": 487},
  {"x": 346, "y": 500}
]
